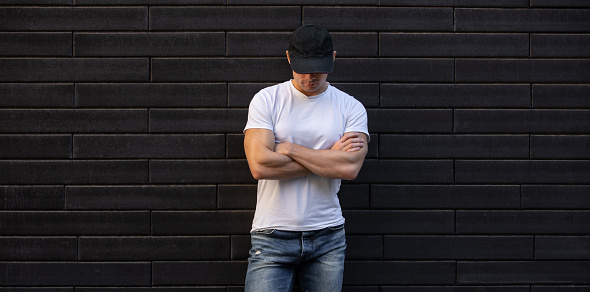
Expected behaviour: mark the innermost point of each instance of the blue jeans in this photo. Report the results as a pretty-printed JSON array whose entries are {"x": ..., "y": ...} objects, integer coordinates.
[{"x": 316, "y": 257}]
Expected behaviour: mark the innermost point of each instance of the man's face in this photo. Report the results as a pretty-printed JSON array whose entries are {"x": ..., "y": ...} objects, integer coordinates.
[{"x": 310, "y": 84}]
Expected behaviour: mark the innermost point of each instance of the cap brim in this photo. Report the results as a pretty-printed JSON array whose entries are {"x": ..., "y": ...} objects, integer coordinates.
[{"x": 309, "y": 65}]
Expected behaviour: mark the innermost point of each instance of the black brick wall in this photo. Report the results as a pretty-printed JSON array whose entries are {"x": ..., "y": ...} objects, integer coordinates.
[{"x": 122, "y": 164}]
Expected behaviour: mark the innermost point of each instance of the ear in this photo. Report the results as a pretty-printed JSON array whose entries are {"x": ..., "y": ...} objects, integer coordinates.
[
  {"x": 288, "y": 59},
  {"x": 333, "y": 55}
]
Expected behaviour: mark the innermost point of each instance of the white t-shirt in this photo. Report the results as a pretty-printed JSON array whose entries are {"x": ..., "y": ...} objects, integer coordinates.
[{"x": 309, "y": 202}]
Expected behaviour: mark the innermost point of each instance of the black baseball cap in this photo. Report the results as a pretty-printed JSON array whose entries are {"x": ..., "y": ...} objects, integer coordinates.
[{"x": 310, "y": 50}]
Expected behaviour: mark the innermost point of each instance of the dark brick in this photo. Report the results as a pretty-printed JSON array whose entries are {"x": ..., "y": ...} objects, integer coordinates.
[
  {"x": 75, "y": 274},
  {"x": 225, "y": 18},
  {"x": 459, "y": 247},
  {"x": 148, "y": 289},
  {"x": 201, "y": 171},
  {"x": 364, "y": 247},
  {"x": 149, "y": 146},
  {"x": 522, "y": 121},
  {"x": 74, "y": 223},
  {"x": 198, "y": 120},
  {"x": 455, "y": 95},
  {"x": 457, "y": 3},
  {"x": 454, "y": 146},
  {"x": 140, "y": 197},
  {"x": 559, "y": 45},
  {"x": 31, "y": 197},
  {"x": 153, "y": 248},
  {"x": 380, "y": 19},
  {"x": 150, "y": 2},
  {"x": 149, "y": 44},
  {"x": 373, "y": 147},
  {"x": 410, "y": 120},
  {"x": 549, "y": 288},
  {"x": 74, "y": 70},
  {"x": 245, "y": 44},
  {"x": 561, "y": 96},
  {"x": 202, "y": 222},
  {"x": 523, "y": 70},
  {"x": 522, "y": 171},
  {"x": 38, "y": 248},
  {"x": 522, "y": 20},
  {"x": 444, "y": 197},
  {"x": 240, "y": 247},
  {"x": 70, "y": 120},
  {"x": 555, "y": 197},
  {"x": 523, "y": 272},
  {"x": 151, "y": 95},
  {"x": 457, "y": 289},
  {"x": 221, "y": 70},
  {"x": 366, "y": 93},
  {"x": 399, "y": 273},
  {"x": 562, "y": 247},
  {"x": 356, "y": 44},
  {"x": 73, "y": 172},
  {"x": 563, "y": 3},
  {"x": 35, "y": 146},
  {"x": 31, "y": 95},
  {"x": 406, "y": 222},
  {"x": 406, "y": 171},
  {"x": 353, "y": 196},
  {"x": 199, "y": 273},
  {"x": 303, "y": 2},
  {"x": 43, "y": 2},
  {"x": 360, "y": 289},
  {"x": 36, "y": 44},
  {"x": 560, "y": 147},
  {"x": 73, "y": 18},
  {"x": 453, "y": 45},
  {"x": 523, "y": 222},
  {"x": 240, "y": 94},
  {"x": 393, "y": 70},
  {"x": 237, "y": 197},
  {"x": 235, "y": 146}
]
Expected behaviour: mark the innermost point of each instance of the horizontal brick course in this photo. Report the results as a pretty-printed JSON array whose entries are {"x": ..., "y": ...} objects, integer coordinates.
[
  {"x": 393, "y": 70},
  {"x": 555, "y": 197},
  {"x": 36, "y": 44},
  {"x": 73, "y": 172},
  {"x": 454, "y": 146},
  {"x": 75, "y": 274},
  {"x": 523, "y": 70},
  {"x": 522, "y": 121},
  {"x": 457, "y": 3},
  {"x": 36, "y": 95},
  {"x": 200, "y": 171},
  {"x": 455, "y": 95},
  {"x": 458, "y": 247},
  {"x": 560, "y": 147},
  {"x": 562, "y": 247},
  {"x": 149, "y": 146},
  {"x": 523, "y": 222},
  {"x": 147, "y": 197},
  {"x": 522, "y": 20},
  {"x": 31, "y": 197},
  {"x": 38, "y": 248},
  {"x": 453, "y": 45},
  {"x": 561, "y": 96},
  {"x": 197, "y": 120},
  {"x": 149, "y": 44},
  {"x": 406, "y": 171},
  {"x": 410, "y": 120},
  {"x": 153, "y": 248},
  {"x": 74, "y": 70},
  {"x": 73, "y": 18},
  {"x": 73, "y": 121},
  {"x": 522, "y": 171},
  {"x": 522, "y": 272},
  {"x": 399, "y": 222},
  {"x": 201, "y": 222},
  {"x": 445, "y": 197},
  {"x": 558, "y": 45},
  {"x": 36, "y": 146},
  {"x": 388, "y": 273},
  {"x": 380, "y": 19},
  {"x": 199, "y": 273},
  {"x": 224, "y": 18},
  {"x": 75, "y": 223}
]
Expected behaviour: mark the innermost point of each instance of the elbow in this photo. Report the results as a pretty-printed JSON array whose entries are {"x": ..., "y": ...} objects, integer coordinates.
[
  {"x": 257, "y": 173},
  {"x": 349, "y": 173}
]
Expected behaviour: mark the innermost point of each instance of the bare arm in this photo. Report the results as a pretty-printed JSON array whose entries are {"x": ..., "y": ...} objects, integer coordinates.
[
  {"x": 344, "y": 160},
  {"x": 264, "y": 162}
]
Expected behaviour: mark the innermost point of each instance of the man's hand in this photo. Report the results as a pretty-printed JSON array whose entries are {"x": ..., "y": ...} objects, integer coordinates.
[{"x": 350, "y": 142}]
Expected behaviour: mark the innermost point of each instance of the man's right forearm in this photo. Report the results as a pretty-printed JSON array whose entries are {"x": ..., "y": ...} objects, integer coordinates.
[{"x": 277, "y": 166}]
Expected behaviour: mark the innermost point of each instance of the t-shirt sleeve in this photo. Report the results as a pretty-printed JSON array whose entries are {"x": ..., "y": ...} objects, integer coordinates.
[
  {"x": 259, "y": 114},
  {"x": 357, "y": 119}
]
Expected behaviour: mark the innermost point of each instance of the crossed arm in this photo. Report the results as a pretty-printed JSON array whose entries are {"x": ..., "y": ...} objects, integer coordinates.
[{"x": 288, "y": 160}]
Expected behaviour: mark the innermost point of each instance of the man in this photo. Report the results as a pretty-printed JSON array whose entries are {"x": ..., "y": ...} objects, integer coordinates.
[{"x": 302, "y": 137}]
